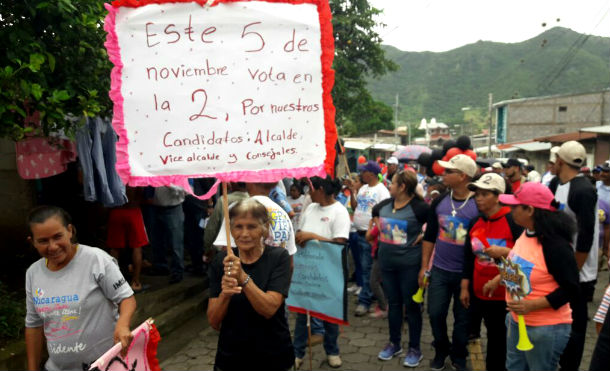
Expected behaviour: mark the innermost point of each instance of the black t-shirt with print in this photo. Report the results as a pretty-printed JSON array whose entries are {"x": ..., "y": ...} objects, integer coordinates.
[{"x": 247, "y": 340}]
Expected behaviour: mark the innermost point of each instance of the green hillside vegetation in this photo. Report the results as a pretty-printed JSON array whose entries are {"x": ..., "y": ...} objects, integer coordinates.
[{"x": 440, "y": 84}]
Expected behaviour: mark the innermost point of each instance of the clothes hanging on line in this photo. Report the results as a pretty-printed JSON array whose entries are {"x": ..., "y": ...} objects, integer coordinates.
[{"x": 96, "y": 146}]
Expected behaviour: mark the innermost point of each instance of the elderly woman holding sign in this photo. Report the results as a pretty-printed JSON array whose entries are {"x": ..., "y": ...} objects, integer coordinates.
[
  {"x": 247, "y": 292},
  {"x": 541, "y": 279}
]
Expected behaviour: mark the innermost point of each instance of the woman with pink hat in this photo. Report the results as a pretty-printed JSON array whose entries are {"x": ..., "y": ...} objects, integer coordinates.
[{"x": 549, "y": 280}]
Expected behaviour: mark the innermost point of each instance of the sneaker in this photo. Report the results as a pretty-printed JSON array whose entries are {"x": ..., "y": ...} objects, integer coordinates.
[
  {"x": 352, "y": 289},
  {"x": 413, "y": 358},
  {"x": 389, "y": 351},
  {"x": 438, "y": 363},
  {"x": 334, "y": 361},
  {"x": 358, "y": 290},
  {"x": 298, "y": 362},
  {"x": 379, "y": 313},
  {"x": 361, "y": 310}
]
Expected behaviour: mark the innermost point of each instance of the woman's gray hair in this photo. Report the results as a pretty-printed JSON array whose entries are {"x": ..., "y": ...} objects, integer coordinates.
[{"x": 251, "y": 207}]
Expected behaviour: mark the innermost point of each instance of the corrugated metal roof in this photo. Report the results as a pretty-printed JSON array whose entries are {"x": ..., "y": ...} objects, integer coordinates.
[
  {"x": 534, "y": 146},
  {"x": 385, "y": 147},
  {"x": 356, "y": 145},
  {"x": 528, "y": 99},
  {"x": 597, "y": 129},
  {"x": 560, "y": 138}
]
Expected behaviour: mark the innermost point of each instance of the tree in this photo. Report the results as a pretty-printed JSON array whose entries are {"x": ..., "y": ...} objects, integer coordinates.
[
  {"x": 358, "y": 54},
  {"x": 371, "y": 115},
  {"x": 55, "y": 64}
]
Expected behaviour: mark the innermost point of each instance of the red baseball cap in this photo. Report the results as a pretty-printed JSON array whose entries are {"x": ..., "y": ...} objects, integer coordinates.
[{"x": 532, "y": 194}]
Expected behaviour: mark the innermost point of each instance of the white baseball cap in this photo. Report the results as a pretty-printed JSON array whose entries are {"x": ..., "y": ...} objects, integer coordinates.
[
  {"x": 553, "y": 155},
  {"x": 489, "y": 181},
  {"x": 573, "y": 153},
  {"x": 392, "y": 161},
  {"x": 462, "y": 163},
  {"x": 497, "y": 165}
]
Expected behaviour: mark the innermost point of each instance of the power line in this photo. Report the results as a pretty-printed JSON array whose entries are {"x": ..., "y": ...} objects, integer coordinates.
[{"x": 571, "y": 53}]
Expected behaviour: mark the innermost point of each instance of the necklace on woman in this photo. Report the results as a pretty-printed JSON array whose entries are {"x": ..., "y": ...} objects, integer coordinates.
[
  {"x": 453, "y": 209},
  {"x": 394, "y": 205}
]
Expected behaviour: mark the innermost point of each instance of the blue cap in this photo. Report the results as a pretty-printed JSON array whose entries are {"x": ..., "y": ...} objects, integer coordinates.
[{"x": 371, "y": 166}]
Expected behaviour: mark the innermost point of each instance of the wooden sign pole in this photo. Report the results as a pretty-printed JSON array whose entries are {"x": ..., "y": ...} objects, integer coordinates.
[{"x": 225, "y": 210}]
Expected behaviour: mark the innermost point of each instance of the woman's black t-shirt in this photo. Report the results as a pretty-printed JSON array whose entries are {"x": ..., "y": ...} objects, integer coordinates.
[{"x": 247, "y": 340}]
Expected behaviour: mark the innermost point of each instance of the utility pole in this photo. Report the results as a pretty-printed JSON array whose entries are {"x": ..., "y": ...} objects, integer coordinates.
[
  {"x": 396, "y": 124},
  {"x": 489, "y": 122}
]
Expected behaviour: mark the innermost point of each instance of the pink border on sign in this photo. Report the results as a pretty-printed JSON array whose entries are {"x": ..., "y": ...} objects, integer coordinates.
[{"x": 122, "y": 166}]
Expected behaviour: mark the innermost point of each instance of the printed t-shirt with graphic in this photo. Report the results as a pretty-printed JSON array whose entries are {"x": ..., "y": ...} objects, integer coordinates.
[
  {"x": 367, "y": 198},
  {"x": 398, "y": 231},
  {"x": 448, "y": 232},
  {"x": 537, "y": 282},
  {"x": 579, "y": 199},
  {"x": 77, "y": 306},
  {"x": 330, "y": 221},
  {"x": 499, "y": 230},
  {"x": 281, "y": 233}
]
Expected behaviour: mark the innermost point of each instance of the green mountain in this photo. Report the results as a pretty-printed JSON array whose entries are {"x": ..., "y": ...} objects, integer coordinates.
[{"x": 558, "y": 61}]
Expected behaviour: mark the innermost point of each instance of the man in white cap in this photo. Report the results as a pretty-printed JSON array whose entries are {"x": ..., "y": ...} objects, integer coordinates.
[
  {"x": 497, "y": 168},
  {"x": 579, "y": 198},
  {"x": 550, "y": 173},
  {"x": 392, "y": 170},
  {"x": 450, "y": 218}
]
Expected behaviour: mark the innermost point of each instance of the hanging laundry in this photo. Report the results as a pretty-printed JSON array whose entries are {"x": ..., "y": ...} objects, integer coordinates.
[
  {"x": 97, "y": 155},
  {"x": 39, "y": 157}
]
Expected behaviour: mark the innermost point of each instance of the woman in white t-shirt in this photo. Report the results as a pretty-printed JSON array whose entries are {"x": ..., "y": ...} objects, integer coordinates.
[{"x": 324, "y": 220}]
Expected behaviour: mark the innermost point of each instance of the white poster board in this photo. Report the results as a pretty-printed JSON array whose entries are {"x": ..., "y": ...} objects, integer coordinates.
[{"x": 239, "y": 90}]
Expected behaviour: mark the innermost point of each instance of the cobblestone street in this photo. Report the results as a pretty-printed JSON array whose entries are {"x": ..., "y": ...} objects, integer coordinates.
[{"x": 360, "y": 342}]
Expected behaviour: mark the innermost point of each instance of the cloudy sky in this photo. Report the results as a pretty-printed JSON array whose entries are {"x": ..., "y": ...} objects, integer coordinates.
[{"x": 440, "y": 25}]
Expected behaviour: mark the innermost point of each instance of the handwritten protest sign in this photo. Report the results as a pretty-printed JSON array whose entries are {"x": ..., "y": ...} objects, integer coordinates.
[
  {"x": 319, "y": 282},
  {"x": 239, "y": 90},
  {"x": 141, "y": 355}
]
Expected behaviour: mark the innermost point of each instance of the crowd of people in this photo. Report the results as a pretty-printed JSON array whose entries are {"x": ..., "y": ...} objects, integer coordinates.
[{"x": 454, "y": 235}]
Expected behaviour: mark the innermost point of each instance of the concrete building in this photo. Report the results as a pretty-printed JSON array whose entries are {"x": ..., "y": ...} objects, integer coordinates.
[{"x": 527, "y": 118}]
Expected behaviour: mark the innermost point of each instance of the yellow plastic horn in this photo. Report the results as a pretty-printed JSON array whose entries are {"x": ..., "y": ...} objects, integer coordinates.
[
  {"x": 418, "y": 297},
  {"x": 524, "y": 343}
]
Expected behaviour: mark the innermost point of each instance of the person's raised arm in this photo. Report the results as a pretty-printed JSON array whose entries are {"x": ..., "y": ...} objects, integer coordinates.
[{"x": 34, "y": 338}]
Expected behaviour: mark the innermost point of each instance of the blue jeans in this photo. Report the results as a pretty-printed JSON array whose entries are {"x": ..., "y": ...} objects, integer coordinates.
[
  {"x": 330, "y": 330},
  {"x": 366, "y": 295},
  {"x": 549, "y": 342},
  {"x": 399, "y": 287},
  {"x": 355, "y": 248},
  {"x": 443, "y": 286},
  {"x": 168, "y": 230}
]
